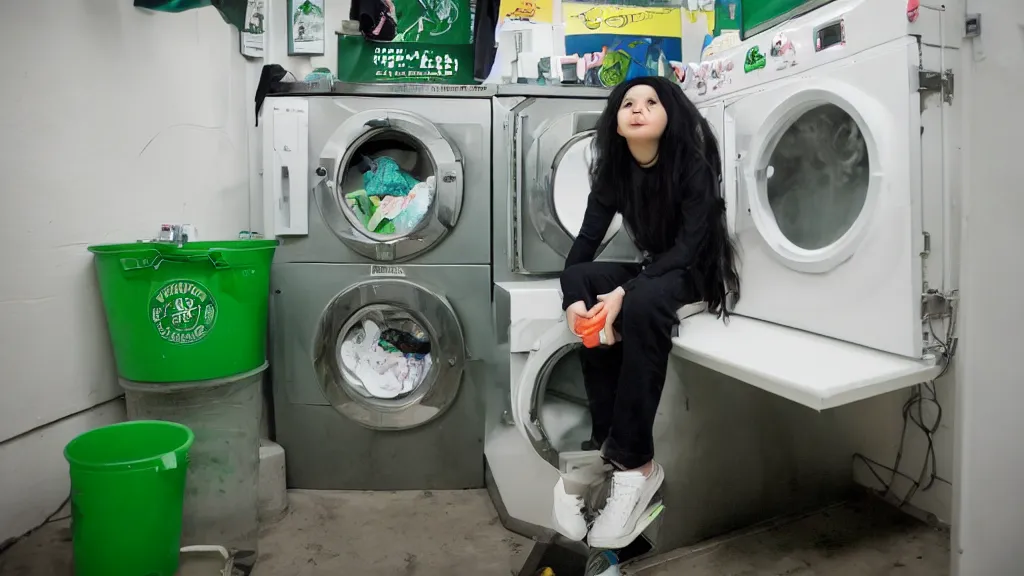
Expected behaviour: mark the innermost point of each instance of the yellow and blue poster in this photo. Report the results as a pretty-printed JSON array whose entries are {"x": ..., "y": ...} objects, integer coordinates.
[{"x": 618, "y": 43}]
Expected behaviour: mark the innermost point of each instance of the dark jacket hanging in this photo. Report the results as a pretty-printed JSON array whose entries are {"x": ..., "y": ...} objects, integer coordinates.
[{"x": 484, "y": 45}]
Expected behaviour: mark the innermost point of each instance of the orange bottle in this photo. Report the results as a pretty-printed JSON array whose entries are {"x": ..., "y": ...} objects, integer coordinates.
[{"x": 591, "y": 330}]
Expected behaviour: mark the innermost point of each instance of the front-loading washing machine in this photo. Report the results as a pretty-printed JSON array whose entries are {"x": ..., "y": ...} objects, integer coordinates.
[
  {"x": 837, "y": 166},
  {"x": 354, "y": 413},
  {"x": 542, "y": 153},
  {"x": 315, "y": 173},
  {"x": 733, "y": 454},
  {"x": 381, "y": 327}
]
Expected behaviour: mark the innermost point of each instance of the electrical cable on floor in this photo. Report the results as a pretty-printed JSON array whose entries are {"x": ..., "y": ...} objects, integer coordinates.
[
  {"x": 9, "y": 543},
  {"x": 913, "y": 413}
]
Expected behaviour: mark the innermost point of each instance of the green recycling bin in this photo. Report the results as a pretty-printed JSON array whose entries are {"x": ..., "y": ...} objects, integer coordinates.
[
  {"x": 186, "y": 313},
  {"x": 127, "y": 491}
]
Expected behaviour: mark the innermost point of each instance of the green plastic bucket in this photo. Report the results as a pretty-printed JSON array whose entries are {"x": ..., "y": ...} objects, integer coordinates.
[
  {"x": 182, "y": 314},
  {"x": 127, "y": 490}
]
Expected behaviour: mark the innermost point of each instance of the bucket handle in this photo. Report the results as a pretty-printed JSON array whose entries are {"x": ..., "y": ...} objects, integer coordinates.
[{"x": 154, "y": 258}]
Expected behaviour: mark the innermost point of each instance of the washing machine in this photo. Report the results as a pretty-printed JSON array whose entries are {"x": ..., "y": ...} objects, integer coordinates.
[
  {"x": 524, "y": 440},
  {"x": 542, "y": 153},
  {"x": 837, "y": 133},
  {"x": 438, "y": 132},
  {"x": 381, "y": 329},
  {"x": 733, "y": 454}
]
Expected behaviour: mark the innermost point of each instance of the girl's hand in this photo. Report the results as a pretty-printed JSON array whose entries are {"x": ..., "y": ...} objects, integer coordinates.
[
  {"x": 578, "y": 310},
  {"x": 612, "y": 302}
]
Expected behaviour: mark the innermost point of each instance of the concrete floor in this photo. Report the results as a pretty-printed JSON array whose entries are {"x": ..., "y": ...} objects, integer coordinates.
[
  {"x": 445, "y": 533},
  {"x": 866, "y": 538},
  {"x": 390, "y": 534}
]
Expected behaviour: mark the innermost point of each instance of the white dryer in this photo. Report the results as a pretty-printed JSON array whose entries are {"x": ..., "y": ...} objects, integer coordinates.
[
  {"x": 829, "y": 201},
  {"x": 837, "y": 138}
]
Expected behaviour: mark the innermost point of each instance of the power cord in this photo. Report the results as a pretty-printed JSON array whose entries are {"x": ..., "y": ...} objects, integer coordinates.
[
  {"x": 10, "y": 542},
  {"x": 913, "y": 413}
]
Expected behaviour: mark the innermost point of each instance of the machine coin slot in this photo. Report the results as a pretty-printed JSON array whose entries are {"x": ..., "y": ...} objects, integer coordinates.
[{"x": 829, "y": 35}]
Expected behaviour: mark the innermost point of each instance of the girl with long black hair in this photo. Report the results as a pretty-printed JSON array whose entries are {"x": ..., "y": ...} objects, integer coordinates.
[{"x": 657, "y": 163}]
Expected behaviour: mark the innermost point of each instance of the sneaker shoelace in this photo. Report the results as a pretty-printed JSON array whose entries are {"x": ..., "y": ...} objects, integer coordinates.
[{"x": 622, "y": 500}]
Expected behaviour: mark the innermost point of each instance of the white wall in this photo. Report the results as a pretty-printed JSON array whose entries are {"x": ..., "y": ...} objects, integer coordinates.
[
  {"x": 873, "y": 429},
  {"x": 989, "y": 504},
  {"x": 276, "y": 51},
  {"x": 113, "y": 120},
  {"x": 33, "y": 474}
]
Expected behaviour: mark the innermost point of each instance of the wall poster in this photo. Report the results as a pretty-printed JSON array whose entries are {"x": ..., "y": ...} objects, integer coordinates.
[
  {"x": 306, "y": 28},
  {"x": 618, "y": 43}
]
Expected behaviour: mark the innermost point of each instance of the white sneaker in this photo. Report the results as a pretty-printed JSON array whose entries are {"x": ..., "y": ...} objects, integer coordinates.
[
  {"x": 567, "y": 511},
  {"x": 628, "y": 511}
]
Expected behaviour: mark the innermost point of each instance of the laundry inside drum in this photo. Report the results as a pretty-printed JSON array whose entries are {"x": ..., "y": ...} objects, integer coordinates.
[
  {"x": 818, "y": 177},
  {"x": 385, "y": 354},
  {"x": 388, "y": 184},
  {"x": 562, "y": 405}
]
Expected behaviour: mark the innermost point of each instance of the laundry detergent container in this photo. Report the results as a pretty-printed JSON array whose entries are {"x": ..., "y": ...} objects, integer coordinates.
[
  {"x": 186, "y": 313},
  {"x": 221, "y": 504}
]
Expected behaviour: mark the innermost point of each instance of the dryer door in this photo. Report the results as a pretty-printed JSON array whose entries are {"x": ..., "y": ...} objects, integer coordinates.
[
  {"x": 715, "y": 115},
  {"x": 389, "y": 354},
  {"x": 553, "y": 151},
  {"x": 829, "y": 175},
  {"x": 550, "y": 403},
  {"x": 389, "y": 184}
]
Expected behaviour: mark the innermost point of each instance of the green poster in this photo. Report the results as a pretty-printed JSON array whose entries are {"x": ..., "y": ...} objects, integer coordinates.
[
  {"x": 361, "y": 61},
  {"x": 433, "y": 21}
]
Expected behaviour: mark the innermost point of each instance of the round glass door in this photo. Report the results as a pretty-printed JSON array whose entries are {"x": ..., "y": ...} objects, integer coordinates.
[
  {"x": 570, "y": 186},
  {"x": 552, "y": 410},
  {"x": 391, "y": 185},
  {"x": 388, "y": 185},
  {"x": 815, "y": 179},
  {"x": 557, "y": 168},
  {"x": 389, "y": 354}
]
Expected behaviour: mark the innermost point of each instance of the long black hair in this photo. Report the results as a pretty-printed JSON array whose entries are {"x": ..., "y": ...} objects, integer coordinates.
[{"x": 688, "y": 174}]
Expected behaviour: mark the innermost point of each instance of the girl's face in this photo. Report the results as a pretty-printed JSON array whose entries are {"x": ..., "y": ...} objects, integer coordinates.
[{"x": 641, "y": 115}]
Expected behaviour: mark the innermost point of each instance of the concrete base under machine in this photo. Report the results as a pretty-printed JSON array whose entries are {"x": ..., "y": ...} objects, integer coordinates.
[{"x": 733, "y": 456}]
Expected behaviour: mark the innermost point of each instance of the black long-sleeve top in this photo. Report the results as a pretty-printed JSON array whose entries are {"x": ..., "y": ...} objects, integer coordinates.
[{"x": 692, "y": 207}]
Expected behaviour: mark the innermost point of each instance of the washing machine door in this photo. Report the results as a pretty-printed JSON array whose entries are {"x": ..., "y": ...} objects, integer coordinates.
[
  {"x": 549, "y": 406},
  {"x": 559, "y": 160},
  {"x": 389, "y": 354},
  {"x": 553, "y": 149},
  {"x": 410, "y": 199},
  {"x": 715, "y": 115},
  {"x": 828, "y": 179}
]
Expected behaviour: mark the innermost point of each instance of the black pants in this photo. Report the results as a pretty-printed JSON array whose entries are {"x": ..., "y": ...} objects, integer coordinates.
[{"x": 624, "y": 381}]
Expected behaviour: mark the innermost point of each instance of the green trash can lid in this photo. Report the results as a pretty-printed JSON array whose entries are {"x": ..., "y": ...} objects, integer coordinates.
[{"x": 131, "y": 446}]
